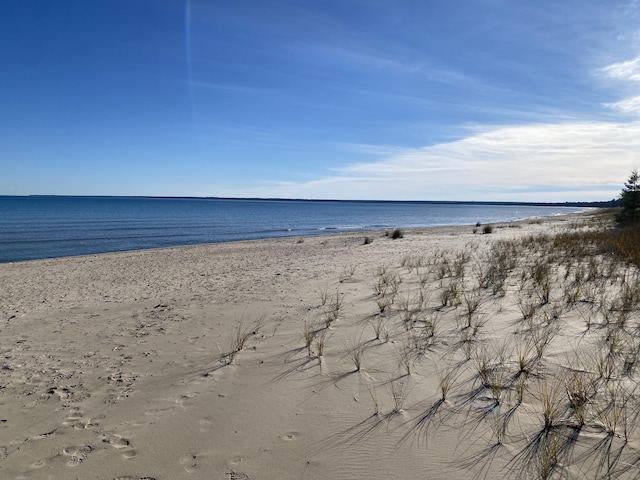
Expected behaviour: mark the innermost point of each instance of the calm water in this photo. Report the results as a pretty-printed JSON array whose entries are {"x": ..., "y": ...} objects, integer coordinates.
[{"x": 45, "y": 227}]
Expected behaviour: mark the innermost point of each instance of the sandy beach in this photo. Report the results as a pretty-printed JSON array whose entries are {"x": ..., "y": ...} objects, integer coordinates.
[{"x": 323, "y": 357}]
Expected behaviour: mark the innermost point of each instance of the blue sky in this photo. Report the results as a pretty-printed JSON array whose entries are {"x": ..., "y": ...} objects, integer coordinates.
[{"x": 364, "y": 99}]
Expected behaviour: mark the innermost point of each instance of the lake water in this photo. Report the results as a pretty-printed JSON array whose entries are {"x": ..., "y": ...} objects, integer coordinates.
[{"x": 46, "y": 227}]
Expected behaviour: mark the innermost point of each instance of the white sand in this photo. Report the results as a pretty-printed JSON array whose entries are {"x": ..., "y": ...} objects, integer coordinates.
[{"x": 113, "y": 366}]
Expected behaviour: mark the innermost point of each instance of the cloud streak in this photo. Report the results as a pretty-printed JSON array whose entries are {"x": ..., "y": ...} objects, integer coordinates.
[
  {"x": 628, "y": 106},
  {"x": 629, "y": 70},
  {"x": 536, "y": 162}
]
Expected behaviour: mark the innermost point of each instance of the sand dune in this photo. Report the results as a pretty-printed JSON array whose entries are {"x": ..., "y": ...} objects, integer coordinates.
[{"x": 421, "y": 357}]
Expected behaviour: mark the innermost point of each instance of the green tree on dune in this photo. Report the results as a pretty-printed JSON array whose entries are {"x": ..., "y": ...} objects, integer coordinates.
[{"x": 630, "y": 198}]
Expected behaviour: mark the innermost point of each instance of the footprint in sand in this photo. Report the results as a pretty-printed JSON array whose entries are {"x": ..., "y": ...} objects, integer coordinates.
[
  {"x": 205, "y": 424},
  {"x": 129, "y": 453},
  {"x": 189, "y": 463},
  {"x": 122, "y": 444},
  {"x": 132, "y": 423},
  {"x": 74, "y": 419},
  {"x": 237, "y": 475},
  {"x": 134, "y": 478},
  {"x": 77, "y": 454},
  {"x": 72, "y": 393},
  {"x": 94, "y": 422},
  {"x": 74, "y": 413},
  {"x": 289, "y": 437},
  {"x": 185, "y": 400},
  {"x": 75, "y": 424},
  {"x": 39, "y": 463},
  {"x": 157, "y": 411}
]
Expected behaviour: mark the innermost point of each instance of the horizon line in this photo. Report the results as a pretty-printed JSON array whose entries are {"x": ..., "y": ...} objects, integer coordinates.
[{"x": 598, "y": 203}]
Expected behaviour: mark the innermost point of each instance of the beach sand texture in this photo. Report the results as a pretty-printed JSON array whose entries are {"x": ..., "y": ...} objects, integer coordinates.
[{"x": 443, "y": 354}]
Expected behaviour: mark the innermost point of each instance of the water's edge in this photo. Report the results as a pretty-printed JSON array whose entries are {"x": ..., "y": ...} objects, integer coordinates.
[{"x": 42, "y": 227}]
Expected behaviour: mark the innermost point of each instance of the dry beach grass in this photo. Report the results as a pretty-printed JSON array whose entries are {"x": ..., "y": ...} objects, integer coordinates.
[{"x": 441, "y": 353}]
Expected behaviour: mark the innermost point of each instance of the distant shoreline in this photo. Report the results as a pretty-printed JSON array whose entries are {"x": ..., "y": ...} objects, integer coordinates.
[{"x": 594, "y": 204}]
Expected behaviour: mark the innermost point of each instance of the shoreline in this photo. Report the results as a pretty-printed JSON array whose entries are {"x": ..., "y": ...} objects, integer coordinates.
[
  {"x": 272, "y": 359},
  {"x": 327, "y": 232}
]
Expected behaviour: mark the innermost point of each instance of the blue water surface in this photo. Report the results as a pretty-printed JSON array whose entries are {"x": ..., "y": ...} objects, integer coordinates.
[{"x": 46, "y": 227}]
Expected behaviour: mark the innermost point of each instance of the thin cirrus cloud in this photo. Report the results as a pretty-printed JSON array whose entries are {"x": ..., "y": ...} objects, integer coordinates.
[
  {"x": 629, "y": 72},
  {"x": 628, "y": 106},
  {"x": 354, "y": 60}
]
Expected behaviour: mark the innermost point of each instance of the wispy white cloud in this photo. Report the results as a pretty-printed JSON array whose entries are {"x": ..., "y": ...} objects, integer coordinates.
[
  {"x": 375, "y": 60},
  {"x": 629, "y": 106},
  {"x": 538, "y": 162},
  {"x": 226, "y": 87},
  {"x": 629, "y": 70},
  {"x": 379, "y": 150}
]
